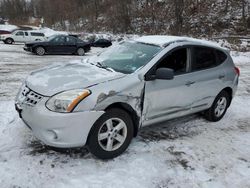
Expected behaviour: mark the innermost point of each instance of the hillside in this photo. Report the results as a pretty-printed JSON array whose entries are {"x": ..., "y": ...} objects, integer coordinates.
[{"x": 180, "y": 17}]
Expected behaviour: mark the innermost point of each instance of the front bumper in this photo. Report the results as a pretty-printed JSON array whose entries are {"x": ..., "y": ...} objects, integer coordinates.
[{"x": 63, "y": 130}]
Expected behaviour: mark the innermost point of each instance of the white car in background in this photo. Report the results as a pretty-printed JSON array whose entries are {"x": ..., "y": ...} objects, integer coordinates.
[{"x": 20, "y": 36}]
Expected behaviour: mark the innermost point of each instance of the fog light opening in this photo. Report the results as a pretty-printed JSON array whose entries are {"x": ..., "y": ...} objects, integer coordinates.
[{"x": 52, "y": 135}]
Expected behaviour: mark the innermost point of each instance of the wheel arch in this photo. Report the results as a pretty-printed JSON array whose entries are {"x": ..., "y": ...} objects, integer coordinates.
[
  {"x": 229, "y": 90},
  {"x": 126, "y": 107},
  {"x": 36, "y": 46},
  {"x": 78, "y": 47},
  {"x": 10, "y": 39}
]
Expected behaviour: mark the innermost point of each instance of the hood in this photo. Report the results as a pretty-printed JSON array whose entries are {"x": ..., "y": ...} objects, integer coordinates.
[{"x": 75, "y": 75}]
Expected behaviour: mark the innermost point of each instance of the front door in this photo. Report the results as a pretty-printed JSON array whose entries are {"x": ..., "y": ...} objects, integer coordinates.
[
  {"x": 19, "y": 37},
  {"x": 166, "y": 99}
]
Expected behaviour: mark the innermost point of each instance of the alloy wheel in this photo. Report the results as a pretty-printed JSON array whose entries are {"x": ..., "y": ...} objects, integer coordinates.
[
  {"x": 112, "y": 134},
  {"x": 221, "y": 106},
  {"x": 40, "y": 51},
  {"x": 80, "y": 52}
]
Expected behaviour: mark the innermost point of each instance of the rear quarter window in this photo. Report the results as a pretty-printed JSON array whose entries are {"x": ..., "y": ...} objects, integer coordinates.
[
  {"x": 221, "y": 57},
  {"x": 37, "y": 34},
  {"x": 203, "y": 58}
]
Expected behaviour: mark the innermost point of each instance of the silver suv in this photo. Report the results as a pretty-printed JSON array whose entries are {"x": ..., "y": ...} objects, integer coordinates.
[{"x": 103, "y": 101}]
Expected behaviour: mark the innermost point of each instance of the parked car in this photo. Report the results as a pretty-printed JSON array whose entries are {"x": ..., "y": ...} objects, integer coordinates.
[
  {"x": 103, "y": 43},
  {"x": 20, "y": 36},
  {"x": 58, "y": 44},
  {"x": 103, "y": 101},
  {"x": 3, "y": 32}
]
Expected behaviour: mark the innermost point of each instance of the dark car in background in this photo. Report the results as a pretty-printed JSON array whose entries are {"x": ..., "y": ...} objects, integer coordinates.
[
  {"x": 59, "y": 44},
  {"x": 3, "y": 32},
  {"x": 103, "y": 43}
]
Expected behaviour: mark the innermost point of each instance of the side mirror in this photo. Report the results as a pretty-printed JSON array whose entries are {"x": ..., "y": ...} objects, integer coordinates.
[{"x": 164, "y": 74}]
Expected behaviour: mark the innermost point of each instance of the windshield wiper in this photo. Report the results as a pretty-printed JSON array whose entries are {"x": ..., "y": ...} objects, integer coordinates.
[{"x": 100, "y": 65}]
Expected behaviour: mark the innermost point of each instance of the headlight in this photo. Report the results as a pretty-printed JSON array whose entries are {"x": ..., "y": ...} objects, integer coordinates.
[{"x": 67, "y": 101}]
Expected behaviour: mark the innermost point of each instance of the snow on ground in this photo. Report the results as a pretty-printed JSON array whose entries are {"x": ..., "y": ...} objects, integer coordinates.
[{"x": 187, "y": 152}]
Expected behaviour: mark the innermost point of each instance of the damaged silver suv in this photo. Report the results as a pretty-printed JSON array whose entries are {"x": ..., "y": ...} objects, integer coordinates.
[{"x": 103, "y": 101}]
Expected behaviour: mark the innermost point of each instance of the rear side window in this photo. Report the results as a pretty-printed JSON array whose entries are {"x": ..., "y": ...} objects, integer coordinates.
[
  {"x": 70, "y": 39},
  {"x": 37, "y": 34},
  {"x": 203, "y": 58},
  {"x": 221, "y": 57}
]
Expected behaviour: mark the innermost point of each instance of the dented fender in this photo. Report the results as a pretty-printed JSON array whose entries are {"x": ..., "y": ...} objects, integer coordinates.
[{"x": 127, "y": 90}]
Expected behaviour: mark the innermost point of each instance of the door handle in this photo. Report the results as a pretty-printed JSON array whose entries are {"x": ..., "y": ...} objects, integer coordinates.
[
  {"x": 221, "y": 76},
  {"x": 189, "y": 83}
]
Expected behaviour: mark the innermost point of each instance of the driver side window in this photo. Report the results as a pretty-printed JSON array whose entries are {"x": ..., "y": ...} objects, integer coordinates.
[
  {"x": 19, "y": 33},
  {"x": 176, "y": 60}
]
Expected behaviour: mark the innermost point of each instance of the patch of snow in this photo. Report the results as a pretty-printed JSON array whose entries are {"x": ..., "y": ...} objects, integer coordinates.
[
  {"x": 186, "y": 152},
  {"x": 49, "y": 32}
]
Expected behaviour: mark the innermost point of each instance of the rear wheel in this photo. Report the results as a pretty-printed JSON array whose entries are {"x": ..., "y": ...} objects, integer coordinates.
[
  {"x": 111, "y": 134},
  {"x": 40, "y": 51},
  {"x": 9, "y": 41},
  {"x": 219, "y": 107},
  {"x": 80, "y": 51}
]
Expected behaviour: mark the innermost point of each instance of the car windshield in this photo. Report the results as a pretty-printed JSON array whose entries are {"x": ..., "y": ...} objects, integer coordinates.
[{"x": 126, "y": 57}]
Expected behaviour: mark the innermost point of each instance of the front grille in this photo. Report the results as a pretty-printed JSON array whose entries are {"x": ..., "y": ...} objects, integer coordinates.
[{"x": 29, "y": 97}]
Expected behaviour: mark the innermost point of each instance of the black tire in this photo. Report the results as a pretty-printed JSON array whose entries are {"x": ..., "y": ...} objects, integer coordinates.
[
  {"x": 40, "y": 50},
  {"x": 80, "y": 52},
  {"x": 95, "y": 146},
  {"x": 211, "y": 114},
  {"x": 9, "y": 41}
]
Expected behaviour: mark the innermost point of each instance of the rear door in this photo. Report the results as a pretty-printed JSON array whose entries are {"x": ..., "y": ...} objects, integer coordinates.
[
  {"x": 70, "y": 44},
  {"x": 26, "y": 36},
  {"x": 208, "y": 76},
  {"x": 57, "y": 45}
]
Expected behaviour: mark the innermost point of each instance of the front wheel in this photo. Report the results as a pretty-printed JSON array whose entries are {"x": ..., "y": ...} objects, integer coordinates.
[
  {"x": 219, "y": 107},
  {"x": 111, "y": 134},
  {"x": 9, "y": 41}
]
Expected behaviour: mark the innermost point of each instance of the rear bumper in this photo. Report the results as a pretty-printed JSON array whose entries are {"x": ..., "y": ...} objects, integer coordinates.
[
  {"x": 87, "y": 49},
  {"x": 28, "y": 49},
  {"x": 63, "y": 130}
]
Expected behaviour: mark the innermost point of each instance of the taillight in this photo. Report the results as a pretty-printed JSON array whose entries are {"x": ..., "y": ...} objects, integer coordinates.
[{"x": 237, "y": 70}]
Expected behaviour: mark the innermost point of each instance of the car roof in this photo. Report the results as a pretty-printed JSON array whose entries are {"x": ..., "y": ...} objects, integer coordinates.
[
  {"x": 165, "y": 40},
  {"x": 33, "y": 31}
]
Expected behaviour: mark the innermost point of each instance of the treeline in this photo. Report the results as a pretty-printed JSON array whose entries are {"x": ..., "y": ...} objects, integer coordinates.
[{"x": 134, "y": 16}]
